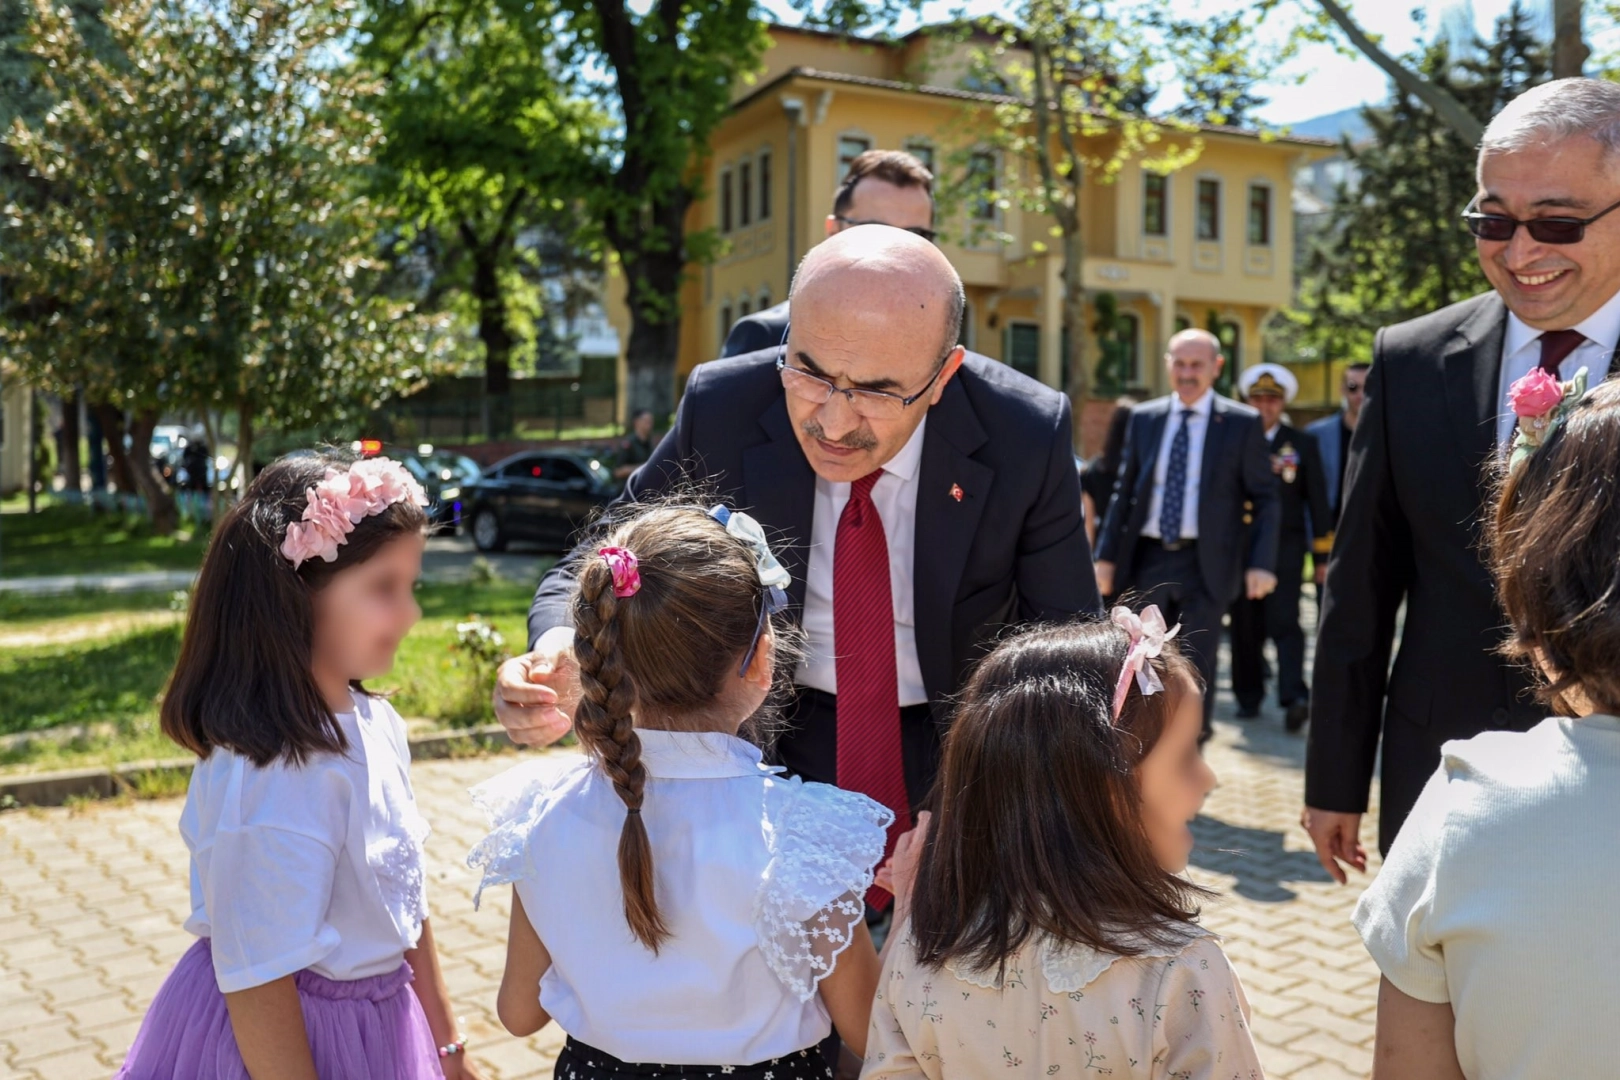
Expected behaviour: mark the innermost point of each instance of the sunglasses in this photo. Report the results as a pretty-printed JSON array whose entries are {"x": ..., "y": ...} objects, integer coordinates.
[
  {"x": 927, "y": 234},
  {"x": 1548, "y": 230}
]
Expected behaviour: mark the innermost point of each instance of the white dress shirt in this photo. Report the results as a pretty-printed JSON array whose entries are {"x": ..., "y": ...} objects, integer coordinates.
[
  {"x": 315, "y": 866},
  {"x": 1521, "y": 354},
  {"x": 760, "y": 879},
  {"x": 895, "y": 496},
  {"x": 1197, "y": 428}
]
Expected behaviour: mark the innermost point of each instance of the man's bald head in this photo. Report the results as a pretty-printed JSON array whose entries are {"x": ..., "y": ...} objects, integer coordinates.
[
  {"x": 1194, "y": 337},
  {"x": 1194, "y": 360},
  {"x": 876, "y": 272}
]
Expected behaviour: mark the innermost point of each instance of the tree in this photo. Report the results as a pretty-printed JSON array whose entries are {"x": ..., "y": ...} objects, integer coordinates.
[
  {"x": 483, "y": 141},
  {"x": 1077, "y": 73},
  {"x": 203, "y": 245},
  {"x": 1394, "y": 248},
  {"x": 663, "y": 74},
  {"x": 1569, "y": 56}
]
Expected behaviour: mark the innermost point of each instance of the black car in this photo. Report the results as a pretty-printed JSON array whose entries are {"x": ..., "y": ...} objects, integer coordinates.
[{"x": 541, "y": 496}]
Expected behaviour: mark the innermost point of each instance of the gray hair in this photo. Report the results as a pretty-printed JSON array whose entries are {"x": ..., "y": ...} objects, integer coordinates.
[
  {"x": 1556, "y": 110},
  {"x": 955, "y": 309}
]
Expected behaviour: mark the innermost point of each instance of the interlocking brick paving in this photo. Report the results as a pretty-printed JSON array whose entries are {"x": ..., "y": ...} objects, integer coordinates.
[{"x": 92, "y": 900}]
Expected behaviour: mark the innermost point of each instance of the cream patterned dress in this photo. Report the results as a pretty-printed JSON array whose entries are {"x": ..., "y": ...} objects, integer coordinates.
[{"x": 1065, "y": 1011}]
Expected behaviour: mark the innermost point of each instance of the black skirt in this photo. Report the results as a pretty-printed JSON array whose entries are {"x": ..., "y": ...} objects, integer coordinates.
[{"x": 580, "y": 1062}]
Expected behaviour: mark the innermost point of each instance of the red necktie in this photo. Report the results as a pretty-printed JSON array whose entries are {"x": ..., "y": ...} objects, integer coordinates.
[
  {"x": 869, "y": 758},
  {"x": 1556, "y": 345}
]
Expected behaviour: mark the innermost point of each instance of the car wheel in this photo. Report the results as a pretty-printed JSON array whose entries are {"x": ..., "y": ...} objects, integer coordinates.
[{"x": 487, "y": 533}]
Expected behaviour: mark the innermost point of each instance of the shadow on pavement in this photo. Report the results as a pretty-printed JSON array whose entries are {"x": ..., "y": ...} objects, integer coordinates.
[{"x": 1255, "y": 858}]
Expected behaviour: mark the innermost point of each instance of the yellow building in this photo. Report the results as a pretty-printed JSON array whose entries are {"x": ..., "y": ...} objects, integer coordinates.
[{"x": 1212, "y": 242}]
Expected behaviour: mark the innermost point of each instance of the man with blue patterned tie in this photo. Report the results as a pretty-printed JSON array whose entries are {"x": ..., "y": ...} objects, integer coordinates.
[{"x": 1174, "y": 534}]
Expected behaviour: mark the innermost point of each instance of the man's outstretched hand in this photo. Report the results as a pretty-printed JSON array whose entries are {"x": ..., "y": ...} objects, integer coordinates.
[{"x": 535, "y": 693}]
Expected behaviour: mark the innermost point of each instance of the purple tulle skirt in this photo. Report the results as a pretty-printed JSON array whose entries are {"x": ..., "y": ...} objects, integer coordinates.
[{"x": 367, "y": 1029}]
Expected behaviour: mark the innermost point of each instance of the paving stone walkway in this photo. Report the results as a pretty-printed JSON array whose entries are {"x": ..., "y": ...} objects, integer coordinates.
[{"x": 92, "y": 900}]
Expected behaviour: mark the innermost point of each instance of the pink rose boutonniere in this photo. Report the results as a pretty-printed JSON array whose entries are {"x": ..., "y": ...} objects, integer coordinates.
[{"x": 1540, "y": 402}]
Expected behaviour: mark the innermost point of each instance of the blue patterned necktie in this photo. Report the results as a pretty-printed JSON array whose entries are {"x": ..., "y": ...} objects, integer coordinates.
[{"x": 1175, "y": 483}]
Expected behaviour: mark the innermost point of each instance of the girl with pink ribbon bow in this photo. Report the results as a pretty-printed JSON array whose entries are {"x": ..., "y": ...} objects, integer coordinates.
[{"x": 1051, "y": 930}]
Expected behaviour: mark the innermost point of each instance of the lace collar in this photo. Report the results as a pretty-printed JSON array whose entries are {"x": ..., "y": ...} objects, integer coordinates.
[
  {"x": 700, "y": 755},
  {"x": 1067, "y": 967}
]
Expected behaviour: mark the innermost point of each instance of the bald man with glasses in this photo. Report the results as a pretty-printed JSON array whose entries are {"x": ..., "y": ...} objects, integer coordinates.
[{"x": 922, "y": 500}]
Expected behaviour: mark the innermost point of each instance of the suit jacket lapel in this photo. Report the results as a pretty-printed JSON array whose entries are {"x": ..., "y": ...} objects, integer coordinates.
[
  {"x": 1214, "y": 447},
  {"x": 1473, "y": 373},
  {"x": 780, "y": 490},
  {"x": 945, "y": 525},
  {"x": 1157, "y": 419}
]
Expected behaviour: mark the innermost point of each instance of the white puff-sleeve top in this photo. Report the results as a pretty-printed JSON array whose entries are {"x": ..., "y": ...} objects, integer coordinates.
[
  {"x": 760, "y": 879},
  {"x": 316, "y": 866}
]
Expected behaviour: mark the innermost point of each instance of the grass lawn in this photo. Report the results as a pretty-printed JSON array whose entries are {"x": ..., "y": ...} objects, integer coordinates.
[
  {"x": 102, "y": 659},
  {"x": 74, "y": 540}
]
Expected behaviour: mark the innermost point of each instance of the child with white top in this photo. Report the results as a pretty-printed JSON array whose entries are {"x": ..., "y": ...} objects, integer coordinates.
[
  {"x": 1051, "y": 932},
  {"x": 678, "y": 907},
  {"x": 314, "y": 955}
]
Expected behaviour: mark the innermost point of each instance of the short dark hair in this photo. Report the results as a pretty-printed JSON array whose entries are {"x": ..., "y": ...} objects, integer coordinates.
[
  {"x": 1039, "y": 825},
  {"x": 890, "y": 166},
  {"x": 1358, "y": 365},
  {"x": 243, "y": 681},
  {"x": 1552, "y": 550}
]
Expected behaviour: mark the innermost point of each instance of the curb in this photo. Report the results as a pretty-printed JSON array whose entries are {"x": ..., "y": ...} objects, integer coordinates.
[{"x": 56, "y": 788}]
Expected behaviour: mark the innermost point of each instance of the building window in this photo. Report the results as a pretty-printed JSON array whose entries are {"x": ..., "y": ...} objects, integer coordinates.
[
  {"x": 764, "y": 184},
  {"x": 850, "y": 147},
  {"x": 981, "y": 174},
  {"x": 745, "y": 194},
  {"x": 742, "y": 308},
  {"x": 1182, "y": 323},
  {"x": 1155, "y": 204},
  {"x": 1259, "y": 213},
  {"x": 1209, "y": 209},
  {"x": 725, "y": 201},
  {"x": 764, "y": 299},
  {"x": 725, "y": 321},
  {"x": 923, "y": 152},
  {"x": 1023, "y": 351}
]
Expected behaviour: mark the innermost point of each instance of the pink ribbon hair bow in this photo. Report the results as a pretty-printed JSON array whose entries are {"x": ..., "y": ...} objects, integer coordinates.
[
  {"x": 625, "y": 569},
  {"x": 1148, "y": 635}
]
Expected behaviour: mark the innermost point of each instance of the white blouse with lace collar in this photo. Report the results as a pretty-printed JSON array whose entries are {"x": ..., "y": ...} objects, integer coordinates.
[{"x": 760, "y": 879}]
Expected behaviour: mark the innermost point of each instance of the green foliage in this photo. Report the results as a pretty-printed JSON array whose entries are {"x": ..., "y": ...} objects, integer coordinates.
[
  {"x": 1394, "y": 247},
  {"x": 195, "y": 236},
  {"x": 69, "y": 539}
]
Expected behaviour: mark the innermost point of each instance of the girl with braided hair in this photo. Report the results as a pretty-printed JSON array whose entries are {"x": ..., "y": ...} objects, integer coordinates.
[{"x": 679, "y": 908}]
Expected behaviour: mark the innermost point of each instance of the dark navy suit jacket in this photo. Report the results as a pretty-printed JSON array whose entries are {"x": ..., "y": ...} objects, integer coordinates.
[
  {"x": 1236, "y": 469},
  {"x": 1011, "y": 549}
]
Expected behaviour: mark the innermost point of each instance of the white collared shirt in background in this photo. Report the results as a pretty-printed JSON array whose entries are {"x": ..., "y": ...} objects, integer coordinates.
[
  {"x": 895, "y": 496},
  {"x": 1197, "y": 429},
  {"x": 1521, "y": 354}
]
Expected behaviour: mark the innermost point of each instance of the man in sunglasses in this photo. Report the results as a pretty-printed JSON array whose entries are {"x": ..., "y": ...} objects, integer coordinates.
[
  {"x": 882, "y": 187},
  {"x": 1421, "y": 460},
  {"x": 922, "y": 500},
  {"x": 1332, "y": 434}
]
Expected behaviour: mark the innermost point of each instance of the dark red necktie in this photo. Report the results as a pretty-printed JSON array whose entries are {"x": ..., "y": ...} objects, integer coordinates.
[
  {"x": 1556, "y": 345},
  {"x": 868, "y": 685}
]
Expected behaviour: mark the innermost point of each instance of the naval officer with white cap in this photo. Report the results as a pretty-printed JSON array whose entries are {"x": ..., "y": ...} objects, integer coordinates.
[{"x": 1306, "y": 526}]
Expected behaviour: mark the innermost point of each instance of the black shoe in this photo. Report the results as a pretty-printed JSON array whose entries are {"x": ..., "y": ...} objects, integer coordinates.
[
  {"x": 1248, "y": 712},
  {"x": 1297, "y": 714}
]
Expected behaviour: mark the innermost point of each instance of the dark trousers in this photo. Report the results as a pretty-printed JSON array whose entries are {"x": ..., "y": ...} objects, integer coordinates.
[
  {"x": 808, "y": 742},
  {"x": 1276, "y": 617},
  {"x": 1172, "y": 580}
]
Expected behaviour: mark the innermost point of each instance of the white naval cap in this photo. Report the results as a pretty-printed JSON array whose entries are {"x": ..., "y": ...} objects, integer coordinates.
[{"x": 1268, "y": 379}]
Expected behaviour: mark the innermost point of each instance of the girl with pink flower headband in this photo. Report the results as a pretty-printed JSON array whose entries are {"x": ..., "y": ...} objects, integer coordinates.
[{"x": 314, "y": 952}]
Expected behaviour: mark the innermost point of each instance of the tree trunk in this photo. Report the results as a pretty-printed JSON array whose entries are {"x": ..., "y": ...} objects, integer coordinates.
[
  {"x": 136, "y": 461},
  {"x": 1569, "y": 51},
  {"x": 496, "y": 335},
  {"x": 72, "y": 467},
  {"x": 111, "y": 419},
  {"x": 244, "y": 443},
  {"x": 1074, "y": 318},
  {"x": 654, "y": 262}
]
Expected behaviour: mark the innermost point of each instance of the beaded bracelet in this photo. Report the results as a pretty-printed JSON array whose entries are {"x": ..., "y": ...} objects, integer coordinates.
[{"x": 451, "y": 1049}]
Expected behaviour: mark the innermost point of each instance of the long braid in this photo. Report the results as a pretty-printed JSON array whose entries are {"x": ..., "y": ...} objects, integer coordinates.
[{"x": 603, "y": 722}]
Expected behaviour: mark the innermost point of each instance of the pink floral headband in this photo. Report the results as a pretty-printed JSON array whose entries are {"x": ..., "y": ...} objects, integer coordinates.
[
  {"x": 343, "y": 500},
  {"x": 1148, "y": 636}
]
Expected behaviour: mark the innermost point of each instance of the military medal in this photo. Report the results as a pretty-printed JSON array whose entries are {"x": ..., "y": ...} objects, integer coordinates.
[{"x": 1290, "y": 463}]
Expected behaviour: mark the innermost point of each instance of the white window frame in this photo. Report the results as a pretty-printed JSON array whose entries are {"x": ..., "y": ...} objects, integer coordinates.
[
  {"x": 1169, "y": 204},
  {"x": 762, "y": 299},
  {"x": 764, "y": 204},
  {"x": 1220, "y": 208},
  {"x": 1271, "y": 212},
  {"x": 916, "y": 143},
  {"x": 996, "y": 219},
  {"x": 839, "y": 170},
  {"x": 723, "y": 187}
]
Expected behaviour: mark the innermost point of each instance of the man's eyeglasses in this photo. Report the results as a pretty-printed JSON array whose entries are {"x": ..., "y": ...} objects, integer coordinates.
[
  {"x": 927, "y": 234},
  {"x": 870, "y": 404},
  {"x": 1547, "y": 230}
]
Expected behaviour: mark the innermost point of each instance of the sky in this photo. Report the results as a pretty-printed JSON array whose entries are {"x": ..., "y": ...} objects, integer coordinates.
[{"x": 1330, "y": 81}]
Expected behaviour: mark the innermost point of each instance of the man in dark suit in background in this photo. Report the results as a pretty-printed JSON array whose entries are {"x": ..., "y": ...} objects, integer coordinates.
[
  {"x": 1174, "y": 532},
  {"x": 1421, "y": 461},
  {"x": 871, "y": 417},
  {"x": 1307, "y": 525},
  {"x": 882, "y": 187},
  {"x": 1332, "y": 435}
]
